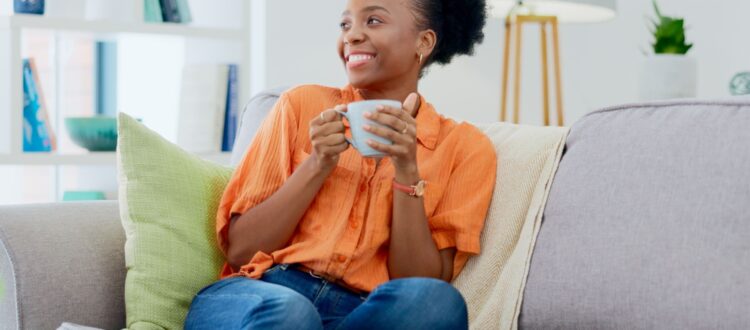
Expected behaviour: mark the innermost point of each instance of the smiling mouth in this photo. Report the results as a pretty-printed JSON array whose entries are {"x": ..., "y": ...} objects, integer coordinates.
[{"x": 355, "y": 59}]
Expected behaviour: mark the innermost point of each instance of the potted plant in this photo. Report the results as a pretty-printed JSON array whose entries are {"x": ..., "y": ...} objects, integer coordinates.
[{"x": 668, "y": 73}]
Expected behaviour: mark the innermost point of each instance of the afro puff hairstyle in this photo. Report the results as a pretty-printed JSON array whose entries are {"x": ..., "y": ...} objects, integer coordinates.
[{"x": 457, "y": 23}]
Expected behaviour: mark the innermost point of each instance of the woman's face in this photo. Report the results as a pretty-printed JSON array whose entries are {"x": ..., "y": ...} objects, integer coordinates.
[{"x": 379, "y": 42}]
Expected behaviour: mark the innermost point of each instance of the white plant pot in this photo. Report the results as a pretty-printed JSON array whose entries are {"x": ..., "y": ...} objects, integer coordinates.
[{"x": 665, "y": 76}]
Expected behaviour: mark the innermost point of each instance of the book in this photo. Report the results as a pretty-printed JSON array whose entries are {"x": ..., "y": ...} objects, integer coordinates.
[
  {"x": 28, "y": 7},
  {"x": 106, "y": 78},
  {"x": 230, "y": 116},
  {"x": 203, "y": 100},
  {"x": 170, "y": 12},
  {"x": 152, "y": 11},
  {"x": 37, "y": 131},
  {"x": 184, "y": 11}
]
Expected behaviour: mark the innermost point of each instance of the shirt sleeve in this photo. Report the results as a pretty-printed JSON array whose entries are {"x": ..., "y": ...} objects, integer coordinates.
[
  {"x": 267, "y": 164},
  {"x": 460, "y": 214}
]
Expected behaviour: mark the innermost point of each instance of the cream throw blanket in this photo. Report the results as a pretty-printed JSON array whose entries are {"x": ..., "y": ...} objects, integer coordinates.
[{"x": 493, "y": 282}]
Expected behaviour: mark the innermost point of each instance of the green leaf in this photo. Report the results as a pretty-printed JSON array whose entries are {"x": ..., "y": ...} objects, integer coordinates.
[
  {"x": 669, "y": 34},
  {"x": 656, "y": 8}
]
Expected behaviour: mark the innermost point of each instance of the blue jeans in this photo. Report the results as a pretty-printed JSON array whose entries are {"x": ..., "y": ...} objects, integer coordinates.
[{"x": 287, "y": 298}]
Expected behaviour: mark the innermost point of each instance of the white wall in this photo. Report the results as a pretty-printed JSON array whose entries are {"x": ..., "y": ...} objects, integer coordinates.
[{"x": 599, "y": 61}]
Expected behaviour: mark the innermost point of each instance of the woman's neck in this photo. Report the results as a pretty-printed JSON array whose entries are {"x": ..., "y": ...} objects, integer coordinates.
[{"x": 398, "y": 93}]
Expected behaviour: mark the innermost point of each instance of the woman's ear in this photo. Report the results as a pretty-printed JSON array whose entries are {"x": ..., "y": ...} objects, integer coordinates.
[{"x": 426, "y": 43}]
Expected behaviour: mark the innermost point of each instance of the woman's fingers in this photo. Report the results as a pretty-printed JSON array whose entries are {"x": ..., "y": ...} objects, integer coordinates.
[
  {"x": 326, "y": 129},
  {"x": 392, "y": 150},
  {"x": 392, "y": 118},
  {"x": 329, "y": 115},
  {"x": 401, "y": 114},
  {"x": 390, "y": 134},
  {"x": 333, "y": 140},
  {"x": 331, "y": 150},
  {"x": 410, "y": 104}
]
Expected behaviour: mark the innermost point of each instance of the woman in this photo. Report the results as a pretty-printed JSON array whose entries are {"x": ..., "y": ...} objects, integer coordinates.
[{"x": 315, "y": 235}]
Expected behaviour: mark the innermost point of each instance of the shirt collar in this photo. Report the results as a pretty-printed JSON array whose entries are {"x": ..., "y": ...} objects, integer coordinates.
[{"x": 428, "y": 120}]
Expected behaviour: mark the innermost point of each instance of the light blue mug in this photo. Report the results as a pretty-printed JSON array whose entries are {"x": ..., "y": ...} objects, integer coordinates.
[{"x": 356, "y": 115}]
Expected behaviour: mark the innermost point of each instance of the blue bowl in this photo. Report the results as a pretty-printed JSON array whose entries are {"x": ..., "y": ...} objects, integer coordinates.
[{"x": 97, "y": 133}]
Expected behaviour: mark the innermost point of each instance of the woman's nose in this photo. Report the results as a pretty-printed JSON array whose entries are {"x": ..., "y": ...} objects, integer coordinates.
[{"x": 354, "y": 36}]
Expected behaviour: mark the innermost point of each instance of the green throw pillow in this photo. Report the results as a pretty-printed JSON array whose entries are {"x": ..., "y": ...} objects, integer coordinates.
[{"x": 168, "y": 203}]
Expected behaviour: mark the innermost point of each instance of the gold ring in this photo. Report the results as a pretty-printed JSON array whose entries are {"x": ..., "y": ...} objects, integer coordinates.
[
  {"x": 321, "y": 117},
  {"x": 406, "y": 128}
]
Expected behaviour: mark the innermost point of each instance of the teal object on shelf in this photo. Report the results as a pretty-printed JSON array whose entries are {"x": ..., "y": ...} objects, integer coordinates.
[
  {"x": 71, "y": 196},
  {"x": 740, "y": 84},
  {"x": 96, "y": 133}
]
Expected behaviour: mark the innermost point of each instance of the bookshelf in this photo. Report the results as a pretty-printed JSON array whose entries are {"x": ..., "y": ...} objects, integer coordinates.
[
  {"x": 22, "y": 21},
  {"x": 16, "y": 28},
  {"x": 87, "y": 159}
]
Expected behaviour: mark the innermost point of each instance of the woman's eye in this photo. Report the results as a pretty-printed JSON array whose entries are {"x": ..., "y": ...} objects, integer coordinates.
[
  {"x": 344, "y": 25},
  {"x": 373, "y": 21}
]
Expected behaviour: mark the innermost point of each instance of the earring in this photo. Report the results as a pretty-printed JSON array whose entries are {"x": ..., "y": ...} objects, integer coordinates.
[{"x": 420, "y": 58}]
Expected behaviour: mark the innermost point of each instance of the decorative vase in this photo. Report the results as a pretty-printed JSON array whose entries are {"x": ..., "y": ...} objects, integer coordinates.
[
  {"x": 740, "y": 84},
  {"x": 28, "y": 7},
  {"x": 668, "y": 76}
]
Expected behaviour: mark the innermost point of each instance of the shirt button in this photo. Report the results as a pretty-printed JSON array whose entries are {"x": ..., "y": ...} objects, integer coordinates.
[
  {"x": 342, "y": 258},
  {"x": 363, "y": 187},
  {"x": 354, "y": 224}
]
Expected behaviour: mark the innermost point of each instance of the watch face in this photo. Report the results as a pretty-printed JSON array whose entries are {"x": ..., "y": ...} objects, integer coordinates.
[{"x": 420, "y": 188}]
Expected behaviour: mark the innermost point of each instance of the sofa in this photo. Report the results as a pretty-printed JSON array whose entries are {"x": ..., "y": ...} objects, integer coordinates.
[{"x": 647, "y": 226}]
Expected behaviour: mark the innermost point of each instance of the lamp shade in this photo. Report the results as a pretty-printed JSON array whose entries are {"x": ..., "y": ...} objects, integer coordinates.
[{"x": 567, "y": 11}]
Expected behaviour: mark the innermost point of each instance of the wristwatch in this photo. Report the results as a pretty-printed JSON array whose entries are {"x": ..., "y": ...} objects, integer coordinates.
[{"x": 416, "y": 190}]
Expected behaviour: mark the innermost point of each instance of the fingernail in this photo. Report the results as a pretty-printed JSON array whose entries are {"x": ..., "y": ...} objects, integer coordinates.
[
  {"x": 380, "y": 107},
  {"x": 367, "y": 115},
  {"x": 366, "y": 127}
]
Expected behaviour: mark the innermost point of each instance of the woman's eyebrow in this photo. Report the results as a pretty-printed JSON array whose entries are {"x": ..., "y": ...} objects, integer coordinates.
[{"x": 367, "y": 9}]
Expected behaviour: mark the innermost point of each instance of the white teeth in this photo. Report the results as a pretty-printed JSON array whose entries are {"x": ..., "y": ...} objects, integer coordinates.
[{"x": 357, "y": 58}]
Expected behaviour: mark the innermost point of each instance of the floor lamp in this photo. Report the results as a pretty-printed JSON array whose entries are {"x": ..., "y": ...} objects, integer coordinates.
[{"x": 547, "y": 14}]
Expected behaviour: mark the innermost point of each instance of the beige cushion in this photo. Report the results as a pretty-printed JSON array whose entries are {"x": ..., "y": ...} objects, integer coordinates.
[{"x": 493, "y": 281}]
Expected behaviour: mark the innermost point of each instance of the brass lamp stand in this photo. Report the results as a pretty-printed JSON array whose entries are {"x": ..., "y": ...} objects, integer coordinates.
[{"x": 516, "y": 21}]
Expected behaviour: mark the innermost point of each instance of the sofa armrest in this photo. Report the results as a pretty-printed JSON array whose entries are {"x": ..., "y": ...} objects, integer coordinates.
[{"x": 62, "y": 262}]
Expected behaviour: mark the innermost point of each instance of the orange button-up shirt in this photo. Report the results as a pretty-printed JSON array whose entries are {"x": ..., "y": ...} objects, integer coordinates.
[{"x": 346, "y": 229}]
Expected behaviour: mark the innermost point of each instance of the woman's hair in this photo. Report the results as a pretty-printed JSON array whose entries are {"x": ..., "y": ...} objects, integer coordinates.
[{"x": 457, "y": 23}]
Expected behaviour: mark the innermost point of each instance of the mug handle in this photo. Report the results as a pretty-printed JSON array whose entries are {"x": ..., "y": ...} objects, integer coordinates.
[{"x": 346, "y": 115}]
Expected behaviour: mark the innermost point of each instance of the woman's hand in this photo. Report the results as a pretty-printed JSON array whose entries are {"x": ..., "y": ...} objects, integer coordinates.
[
  {"x": 327, "y": 138},
  {"x": 401, "y": 128}
]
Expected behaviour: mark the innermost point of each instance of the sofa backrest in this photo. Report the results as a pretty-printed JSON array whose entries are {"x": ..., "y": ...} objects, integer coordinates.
[
  {"x": 648, "y": 222},
  {"x": 252, "y": 115}
]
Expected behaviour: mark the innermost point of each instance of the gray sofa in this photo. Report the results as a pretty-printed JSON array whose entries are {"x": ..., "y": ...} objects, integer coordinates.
[{"x": 647, "y": 227}]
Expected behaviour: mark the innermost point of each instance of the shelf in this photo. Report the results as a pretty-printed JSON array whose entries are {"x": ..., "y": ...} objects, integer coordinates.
[
  {"x": 21, "y": 21},
  {"x": 89, "y": 159},
  {"x": 99, "y": 158}
]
